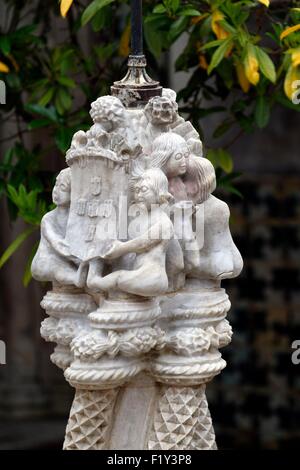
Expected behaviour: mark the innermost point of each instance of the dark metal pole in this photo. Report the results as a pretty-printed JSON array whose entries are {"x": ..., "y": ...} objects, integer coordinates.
[{"x": 136, "y": 27}]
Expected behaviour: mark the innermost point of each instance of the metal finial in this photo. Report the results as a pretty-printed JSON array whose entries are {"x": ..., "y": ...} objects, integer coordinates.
[{"x": 136, "y": 88}]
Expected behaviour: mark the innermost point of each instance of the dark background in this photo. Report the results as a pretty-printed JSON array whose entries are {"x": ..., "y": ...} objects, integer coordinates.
[{"x": 255, "y": 402}]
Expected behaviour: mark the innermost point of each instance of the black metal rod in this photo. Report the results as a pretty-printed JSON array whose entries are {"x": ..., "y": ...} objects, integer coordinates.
[{"x": 136, "y": 27}]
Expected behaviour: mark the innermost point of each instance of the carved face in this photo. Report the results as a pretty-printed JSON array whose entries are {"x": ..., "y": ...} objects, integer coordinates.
[
  {"x": 61, "y": 192},
  {"x": 145, "y": 193},
  {"x": 161, "y": 110},
  {"x": 177, "y": 163}
]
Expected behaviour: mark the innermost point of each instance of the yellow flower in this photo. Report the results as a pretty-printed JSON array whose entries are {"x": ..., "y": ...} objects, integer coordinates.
[
  {"x": 197, "y": 19},
  {"x": 296, "y": 57},
  {"x": 241, "y": 76},
  {"x": 3, "y": 67},
  {"x": 65, "y": 6},
  {"x": 219, "y": 31},
  {"x": 124, "y": 48},
  {"x": 293, "y": 75},
  {"x": 289, "y": 30},
  {"x": 265, "y": 2},
  {"x": 251, "y": 68},
  {"x": 203, "y": 62}
]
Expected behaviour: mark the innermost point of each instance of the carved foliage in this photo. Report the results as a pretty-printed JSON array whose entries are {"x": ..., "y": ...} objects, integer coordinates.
[
  {"x": 91, "y": 346},
  {"x": 189, "y": 341}
]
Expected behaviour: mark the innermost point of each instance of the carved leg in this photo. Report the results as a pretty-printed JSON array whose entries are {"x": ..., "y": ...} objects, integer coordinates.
[
  {"x": 90, "y": 419},
  {"x": 106, "y": 357},
  {"x": 197, "y": 329},
  {"x": 204, "y": 436},
  {"x": 175, "y": 420},
  {"x": 182, "y": 420}
]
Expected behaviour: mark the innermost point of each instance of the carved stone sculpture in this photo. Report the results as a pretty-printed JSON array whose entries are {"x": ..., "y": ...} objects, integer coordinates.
[{"x": 136, "y": 250}]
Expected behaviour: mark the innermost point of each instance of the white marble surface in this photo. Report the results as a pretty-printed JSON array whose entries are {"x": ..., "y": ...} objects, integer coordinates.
[{"x": 136, "y": 249}]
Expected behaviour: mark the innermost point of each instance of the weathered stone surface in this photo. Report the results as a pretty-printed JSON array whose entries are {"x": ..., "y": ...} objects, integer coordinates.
[{"x": 136, "y": 250}]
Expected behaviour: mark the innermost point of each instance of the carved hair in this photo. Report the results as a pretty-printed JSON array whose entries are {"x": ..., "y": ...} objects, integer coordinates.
[
  {"x": 169, "y": 93},
  {"x": 159, "y": 182},
  {"x": 199, "y": 179},
  {"x": 161, "y": 110},
  {"x": 65, "y": 176},
  {"x": 163, "y": 148},
  {"x": 108, "y": 107}
]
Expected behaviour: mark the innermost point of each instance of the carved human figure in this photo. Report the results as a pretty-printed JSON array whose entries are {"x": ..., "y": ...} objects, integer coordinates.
[
  {"x": 148, "y": 274},
  {"x": 159, "y": 114},
  {"x": 219, "y": 256},
  {"x": 53, "y": 260},
  {"x": 108, "y": 114},
  {"x": 111, "y": 128},
  {"x": 171, "y": 153}
]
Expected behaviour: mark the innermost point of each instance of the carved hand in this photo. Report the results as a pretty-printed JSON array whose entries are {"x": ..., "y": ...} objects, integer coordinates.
[
  {"x": 114, "y": 251},
  {"x": 64, "y": 250}
]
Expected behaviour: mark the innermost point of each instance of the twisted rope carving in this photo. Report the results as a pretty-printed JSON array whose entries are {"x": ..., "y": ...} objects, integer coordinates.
[{"x": 98, "y": 378}]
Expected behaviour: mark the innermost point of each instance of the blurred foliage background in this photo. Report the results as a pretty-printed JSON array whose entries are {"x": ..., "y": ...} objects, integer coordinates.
[{"x": 243, "y": 58}]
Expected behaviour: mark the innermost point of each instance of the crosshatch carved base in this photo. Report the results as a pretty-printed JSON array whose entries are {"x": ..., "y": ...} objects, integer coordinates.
[
  {"x": 90, "y": 420},
  {"x": 177, "y": 418},
  {"x": 182, "y": 420}
]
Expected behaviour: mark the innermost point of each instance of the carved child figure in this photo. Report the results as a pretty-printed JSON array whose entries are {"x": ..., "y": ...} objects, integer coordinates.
[
  {"x": 219, "y": 256},
  {"x": 148, "y": 276},
  {"x": 111, "y": 128},
  {"x": 171, "y": 154},
  {"x": 53, "y": 260}
]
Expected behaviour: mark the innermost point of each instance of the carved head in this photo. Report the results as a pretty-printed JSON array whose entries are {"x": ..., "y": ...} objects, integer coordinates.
[
  {"x": 152, "y": 188},
  {"x": 195, "y": 147},
  {"x": 61, "y": 193},
  {"x": 170, "y": 153},
  {"x": 161, "y": 110},
  {"x": 199, "y": 179},
  {"x": 79, "y": 139},
  {"x": 108, "y": 111},
  {"x": 169, "y": 93}
]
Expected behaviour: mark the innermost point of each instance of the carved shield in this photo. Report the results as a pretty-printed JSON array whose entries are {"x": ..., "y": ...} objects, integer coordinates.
[{"x": 99, "y": 188}]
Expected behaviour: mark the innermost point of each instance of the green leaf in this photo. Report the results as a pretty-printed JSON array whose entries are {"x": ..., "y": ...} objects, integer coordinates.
[
  {"x": 47, "y": 97},
  {"x": 222, "y": 129},
  {"x": 225, "y": 161},
  {"x": 177, "y": 28},
  {"x": 284, "y": 101},
  {"x": 63, "y": 137},
  {"x": 211, "y": 44},
  {"x": 63, "y": 100},
  {"x": 159, "y": 8},
  {"x": 266, "y": 65},
  {"x": 66, "y": 81},
  {"x": 219, "y": 54},
  {"x": 190, "y": 12},
  {"x": 48, "y": 113},
  {"x": 102, "y": 18},
  {"x": 27, "y": 273},
  {"x": 227, "y": 27},
  {"x": 262, "y": 111},
  {"x": 5, "y": 45},
  {"x": 38, "y": 123},
  {"x": 92, "y": 9},
  {"x": 221, "y": 158},
  {"x": 13, "y": 193},
  {"x": 15, "y": 245},
  {"x": 153, "y": 38}
]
